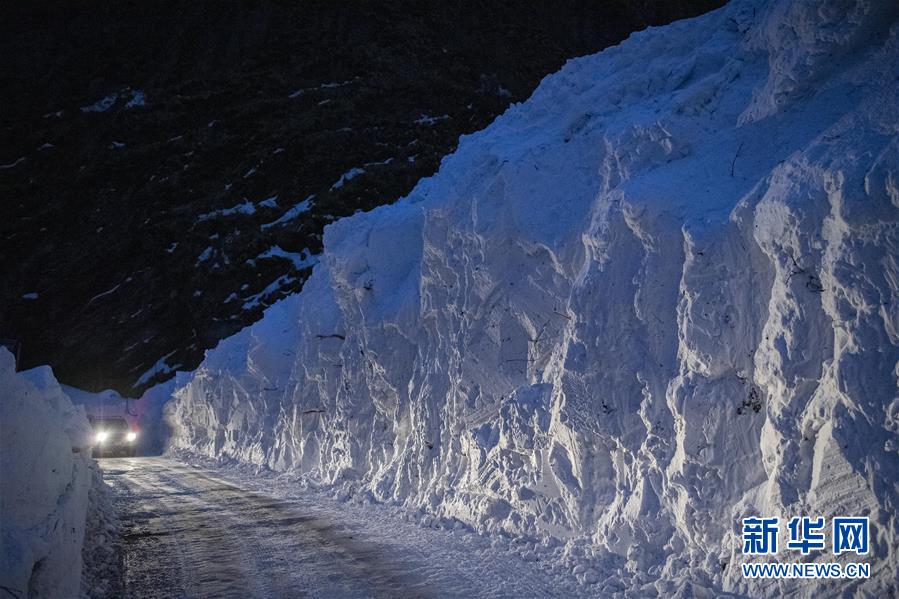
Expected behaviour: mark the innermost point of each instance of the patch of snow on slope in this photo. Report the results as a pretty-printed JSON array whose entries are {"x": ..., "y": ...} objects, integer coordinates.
[
  {"x": 270, "y": 202},
  {"x": 292, "y": 213},
  {"x": 430, "y": 120},
  {"x": 347, "y": 176},
  {"x": 205, "y": 255},
  {"x": 160, "y": 367},
  {"x": 14, "y": 164},
  {"x": 103, "y": 294},
  {"x": 246, "y": 207},
  {"x": 101, "y": 105},
  {"x": 299, "y": 260},
  {"x": 138, "y": 99},
  {"x": 254, "y": 301},
  {"x": 657, "y": 297}
]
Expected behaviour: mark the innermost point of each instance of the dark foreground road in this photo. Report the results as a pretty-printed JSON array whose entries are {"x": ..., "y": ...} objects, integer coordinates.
[{"x": 188, "y": 533}]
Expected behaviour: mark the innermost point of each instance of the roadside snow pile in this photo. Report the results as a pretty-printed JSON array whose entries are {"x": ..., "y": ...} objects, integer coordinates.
[
  {"x": 102, "y": 551},
  {"x": 659, "y": 296},
  {"x": 45, "y": 476}
]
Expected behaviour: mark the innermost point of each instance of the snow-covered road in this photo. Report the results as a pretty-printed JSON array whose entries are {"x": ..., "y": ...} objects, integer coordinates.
[{"x": 190, "y": 532}]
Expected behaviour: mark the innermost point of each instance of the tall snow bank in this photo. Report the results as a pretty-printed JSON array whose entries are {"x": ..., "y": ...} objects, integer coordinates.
[
  {"x": 45, "y": 476},
  {"x": 659, "y": 296}
]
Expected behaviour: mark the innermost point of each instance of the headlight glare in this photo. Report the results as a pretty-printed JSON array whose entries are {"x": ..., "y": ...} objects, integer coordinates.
[
  {"x": 101, "y": 436},
  {"x": 131, "y": 436}
]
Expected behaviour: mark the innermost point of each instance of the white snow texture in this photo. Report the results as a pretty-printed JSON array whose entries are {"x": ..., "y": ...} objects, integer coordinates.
[
  {"x": 659, "y": 296},
  {"x": 45, "y": 478}
]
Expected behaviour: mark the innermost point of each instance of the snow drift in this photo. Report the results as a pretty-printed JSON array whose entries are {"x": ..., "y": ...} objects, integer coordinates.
[
  {"x": 659, "y": 296},
  {"x": 45, "y": 478}
]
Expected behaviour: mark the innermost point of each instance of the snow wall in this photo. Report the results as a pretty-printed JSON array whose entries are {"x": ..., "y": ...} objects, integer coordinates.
[
  {"x": 45, "y": 478},
  {"x": 657, "y": 297}
]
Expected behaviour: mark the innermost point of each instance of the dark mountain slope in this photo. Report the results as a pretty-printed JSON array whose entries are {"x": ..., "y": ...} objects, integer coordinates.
[{"x": 147, "y": 148}]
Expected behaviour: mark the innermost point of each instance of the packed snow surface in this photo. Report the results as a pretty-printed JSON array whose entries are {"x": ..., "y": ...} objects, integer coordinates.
[
  {"x": 45, "y": 478},
  {"x": 242, "y": 532},
  {"x": 659, "y": 296}
]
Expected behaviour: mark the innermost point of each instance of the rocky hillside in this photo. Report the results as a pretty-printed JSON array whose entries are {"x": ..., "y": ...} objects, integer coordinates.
[{"x": 167, "y": 171}]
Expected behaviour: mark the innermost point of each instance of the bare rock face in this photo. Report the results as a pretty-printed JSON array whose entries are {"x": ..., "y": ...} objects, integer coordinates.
[
  {"x": 656, "y": 298},
  {"x": 167, "y": 171}
]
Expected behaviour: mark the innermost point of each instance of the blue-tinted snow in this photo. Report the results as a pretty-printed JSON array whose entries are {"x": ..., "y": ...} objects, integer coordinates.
[
  {"x": 246, "y": 207},
  {"x": 160, "y": 367},
  {"x": 300, "y": 260},
  {"x": 347, "y": 176},
  {"x": 291, "y": 214},
  {"x": 101, "y": 105}
]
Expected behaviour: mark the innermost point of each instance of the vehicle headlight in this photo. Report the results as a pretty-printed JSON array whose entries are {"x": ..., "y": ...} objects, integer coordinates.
[
  {"x": 101, "y": 436},
  {"x": 131, "y": 436}
]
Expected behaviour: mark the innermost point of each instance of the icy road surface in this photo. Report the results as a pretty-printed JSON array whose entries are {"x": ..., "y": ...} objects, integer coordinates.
[{"x": 190, "y": 532}]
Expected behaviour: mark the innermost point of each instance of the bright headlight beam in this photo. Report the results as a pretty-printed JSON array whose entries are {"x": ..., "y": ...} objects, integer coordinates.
[
  {"x": 102, "y": 436},
  {"x": 131, "y": 436}
]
